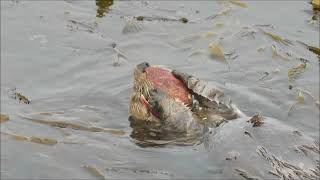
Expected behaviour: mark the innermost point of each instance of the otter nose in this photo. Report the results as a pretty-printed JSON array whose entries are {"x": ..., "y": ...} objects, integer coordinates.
[{"x": 142, "y": 66}]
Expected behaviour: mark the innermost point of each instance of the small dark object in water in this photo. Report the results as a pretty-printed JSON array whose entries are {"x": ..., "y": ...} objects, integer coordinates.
[
  {"x": 140, "y": 18},
  {"x": 184, "y": 20},
  {"x": 290, "y": 86},
  {"x": 256, "y": 120},
  {"x": 247, "y": 133}
]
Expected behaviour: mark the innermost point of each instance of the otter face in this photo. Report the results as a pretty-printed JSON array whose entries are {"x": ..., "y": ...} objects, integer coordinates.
[
  {"x": 153, "y": 84},
  {"x": 140, "y": 108}
]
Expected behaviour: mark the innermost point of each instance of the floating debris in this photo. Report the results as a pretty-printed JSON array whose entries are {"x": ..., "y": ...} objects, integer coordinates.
[
  {"x": 216, "y": 50},
  {"x": 18, "y": 95},
  {"x": 183, "y": 20},
  {"x": 314, "y": 49},
  {"x": 239, "y": 3},
  {"x": 39, "y": 140},
  {"x": 276, "y": 53},
  {"x": 95, "y": 171},
  {"x": 62, "y": 124},
  {"x": 256, "y": 120},
  {"x": 232, "y": 155},
  {"x": 295, "y": 71},
  {"x": 103, "y": 7},
  {"x": 221, "y": 13},
  {"x": 245, "y": 174},
  {"x": 165, "y": 19},
  {"x": 305, "y": 148},
  {"x": 248, "y": 133},
  {"x": 4, "y": 117},
  {"x": 286, "y": 170},
  {"x": 42, "y": 140},
  {"x": 300, "y": 98},
  {"x": 278, "y": 38},
  {"x": 316, "y": 4}
]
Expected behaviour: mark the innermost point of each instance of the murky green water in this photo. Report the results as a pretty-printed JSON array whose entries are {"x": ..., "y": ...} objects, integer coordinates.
[{"x": 74, "y": 59}]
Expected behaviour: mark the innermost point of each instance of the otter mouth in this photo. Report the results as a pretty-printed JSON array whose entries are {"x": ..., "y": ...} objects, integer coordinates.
[{"x": 149, "y": 106}]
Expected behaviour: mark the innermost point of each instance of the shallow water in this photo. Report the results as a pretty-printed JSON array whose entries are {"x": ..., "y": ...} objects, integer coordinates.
[{"x": 60, "y": 55}]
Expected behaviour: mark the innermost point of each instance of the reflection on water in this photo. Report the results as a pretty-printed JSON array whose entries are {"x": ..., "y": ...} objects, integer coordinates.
[
  {"x": 147, "y": 134},
  {"x": 103, "y": 7}
]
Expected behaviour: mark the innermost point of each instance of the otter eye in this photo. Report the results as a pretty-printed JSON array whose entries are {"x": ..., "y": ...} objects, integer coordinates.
[{"x": 142, "y": 66}]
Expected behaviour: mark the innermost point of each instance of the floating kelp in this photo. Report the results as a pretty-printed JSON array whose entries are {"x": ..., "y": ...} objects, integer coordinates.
[
  {"x": 62, "y": 124},
  {"x": 216, "y": 50},
  {"x": 239, "y": 3},
  {"x": 34, "y": 139},
  {"x": 164, "y": 19},
  {"x": 221, "y": 13},
  {"x": 95, "y": 171},
  {"x": 313, "y": 49},
  {"x": 243, "y": 173},
  {"x": 42, "y": 140},
  {"x": 300, "y": 99},
  {"x": 256, "y": 120},
  {"x": 277, "y": 53},
  {"x": 295, "y": 71},
  {"x": 316, "y": 4},
  {"x": 300, "y": 96},
  {"x": 309, "y": 147},
  {"x": 286, "y": 170},
  {"x": 4, "y": 117},
  {"x": 278, "y": 38},
  {"x": 103, "y": 6},
  {"x": 18, "y": 95}
]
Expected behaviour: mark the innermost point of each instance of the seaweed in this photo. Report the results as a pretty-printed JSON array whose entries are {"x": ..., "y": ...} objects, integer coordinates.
[
  {"x": 4, "y": 117},
  {"x": 286, "y": 170},
  {"x": 95, "y": 171},
  {"x": 277, "y": 38},
  {"x": 243, "y": 173},
  {"x": 34, "y": 139},
  {"x": 239, "y": 3},
  {"x": 295, "y": 71},
  {"x": 18, "y": 95},
  {"x": 256, "y": 120},
  {"x": 62, "y": 124}
]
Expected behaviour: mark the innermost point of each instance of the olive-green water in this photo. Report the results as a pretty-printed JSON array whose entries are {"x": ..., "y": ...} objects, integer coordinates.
[{"x": 74, "y": 60}]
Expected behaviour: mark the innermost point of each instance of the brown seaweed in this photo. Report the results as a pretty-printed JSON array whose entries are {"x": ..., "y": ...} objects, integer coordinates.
[
  {"x": 4, "y": 117},
  {"x": 62, "y": 124}
]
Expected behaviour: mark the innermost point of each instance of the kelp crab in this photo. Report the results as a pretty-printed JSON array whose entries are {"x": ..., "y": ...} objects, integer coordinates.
[{"x": 177, "y": 102}]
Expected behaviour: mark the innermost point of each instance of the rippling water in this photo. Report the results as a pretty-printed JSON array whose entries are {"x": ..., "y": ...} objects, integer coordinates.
[{"x": 74, "y": 61}]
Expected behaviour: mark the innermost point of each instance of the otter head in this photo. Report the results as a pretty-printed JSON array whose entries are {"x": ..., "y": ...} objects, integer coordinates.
[
  {"x": 140, "y": 108},
  {"x": 151, "y": 82}
]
